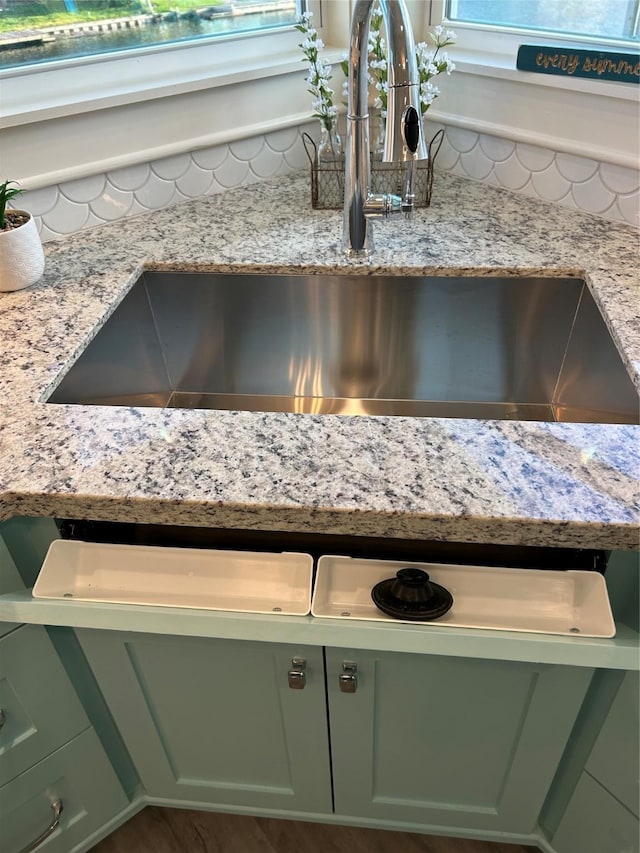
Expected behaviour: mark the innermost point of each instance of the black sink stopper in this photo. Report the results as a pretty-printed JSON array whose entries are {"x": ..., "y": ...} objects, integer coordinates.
[{"x": 411, "y": 595}]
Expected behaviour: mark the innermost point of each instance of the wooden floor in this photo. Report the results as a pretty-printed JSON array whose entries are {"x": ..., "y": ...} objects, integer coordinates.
[{"x": 157, "y": 830}]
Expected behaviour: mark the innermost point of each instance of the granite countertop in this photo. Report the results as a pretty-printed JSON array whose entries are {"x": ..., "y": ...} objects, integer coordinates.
[{"x": 434, "y": 478}]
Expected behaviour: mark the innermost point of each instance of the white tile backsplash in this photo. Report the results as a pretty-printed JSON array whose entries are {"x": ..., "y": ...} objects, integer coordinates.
[
  {"x": 171, "y": 168},
  {"x": 592, "y": 195},
  {"x": 603, "y": 189},
  {"x": 66, "y": 216},
  {"x": 511, "y": 173},
  {"x": 618, "y": 179},
  {"x": 576, "y": 169},
  {"x": 476, "y": 164},
  {"x": 497, "y": 149},
  {"x": 628, "y": 206},
  {"x": 131, "y": 177},
  {"x": 549, "y": 184}
]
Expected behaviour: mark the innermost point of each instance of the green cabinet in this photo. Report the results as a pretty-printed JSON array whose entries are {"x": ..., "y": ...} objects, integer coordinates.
[
  {"x": 602, "y": 814},
  {"x": 215, "y": 721},
  {"x": 39, "y": 708},
  {"x": 615, "y": 757},
  {"x": 10, "y": 581},
  {"x": 416, "y": 739},
  {"x": 448, "y": 741},
  {"x": 464, "y": 731},
  {"x": 58, "y": 788},
  {"x": 79, "y": 780},
  {"x": 595, "y": 822}
]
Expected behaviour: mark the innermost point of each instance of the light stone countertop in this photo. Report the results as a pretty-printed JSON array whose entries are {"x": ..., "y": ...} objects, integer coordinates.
[{"x": 434, "y": 478}]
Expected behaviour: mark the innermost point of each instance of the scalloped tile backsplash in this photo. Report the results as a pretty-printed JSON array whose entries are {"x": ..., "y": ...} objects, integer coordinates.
[{"x": 605, "y": 190}]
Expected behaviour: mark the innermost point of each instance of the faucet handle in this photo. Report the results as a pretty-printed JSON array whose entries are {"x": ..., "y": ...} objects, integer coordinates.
[{"x": 382, "y": 205}]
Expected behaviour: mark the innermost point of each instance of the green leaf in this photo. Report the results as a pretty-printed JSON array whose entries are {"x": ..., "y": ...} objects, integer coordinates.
[{"x": 6, "y": 194}]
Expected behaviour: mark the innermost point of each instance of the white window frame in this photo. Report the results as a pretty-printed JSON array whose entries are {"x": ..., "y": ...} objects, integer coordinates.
[
  {"x": 72, "y": 118},
  {"x": 486, "y": 93},
  {"x": 78, "y": 84}
]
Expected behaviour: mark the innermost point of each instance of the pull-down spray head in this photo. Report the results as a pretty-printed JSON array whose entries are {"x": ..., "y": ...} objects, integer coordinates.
[{"x": 404, "y": 137}]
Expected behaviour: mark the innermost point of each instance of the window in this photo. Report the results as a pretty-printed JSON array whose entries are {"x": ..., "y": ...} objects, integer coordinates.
[
  {"x": 488, "y": 94},
  {"x": 37, "y": 31},
  {"x": 606, "y": 19},
  {"x": 67, "y": 119}
]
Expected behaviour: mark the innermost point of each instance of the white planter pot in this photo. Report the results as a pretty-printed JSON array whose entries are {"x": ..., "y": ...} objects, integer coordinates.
[{"x": 21, "y": 256}]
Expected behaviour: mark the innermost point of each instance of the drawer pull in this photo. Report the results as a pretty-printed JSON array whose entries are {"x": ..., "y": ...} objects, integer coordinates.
[
  {"x": 56, "y": 808},
  {"x": 3, "y": 719}
]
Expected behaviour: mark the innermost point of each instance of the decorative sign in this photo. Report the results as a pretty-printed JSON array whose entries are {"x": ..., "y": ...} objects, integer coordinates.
[{"x": 595, "y": 64}]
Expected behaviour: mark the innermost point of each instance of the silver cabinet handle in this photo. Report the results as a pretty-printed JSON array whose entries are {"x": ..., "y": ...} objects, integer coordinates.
[
  {"x": 297, "y": 674},
  {"x": 348, "y": 679},
  {"x": 3, "y": 719},
  {"x": 56, "y": 808}
]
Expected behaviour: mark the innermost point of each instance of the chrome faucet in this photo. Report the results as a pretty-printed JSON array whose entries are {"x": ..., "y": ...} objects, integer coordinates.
[{"x": 404, "y": 140}]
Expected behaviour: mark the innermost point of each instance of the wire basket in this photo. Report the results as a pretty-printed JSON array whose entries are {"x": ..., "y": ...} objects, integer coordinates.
[{"x": 327, "y": 179}]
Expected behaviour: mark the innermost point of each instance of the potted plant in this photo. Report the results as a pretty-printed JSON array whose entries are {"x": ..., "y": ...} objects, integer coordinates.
[{"x": 21, "y": 253}]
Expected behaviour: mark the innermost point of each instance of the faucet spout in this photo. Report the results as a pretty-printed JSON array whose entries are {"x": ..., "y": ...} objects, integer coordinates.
[{"x": 404, "y": 140}]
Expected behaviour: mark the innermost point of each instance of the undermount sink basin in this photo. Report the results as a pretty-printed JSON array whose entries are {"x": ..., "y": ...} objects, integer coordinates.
[{"x": 516, "y": 348}]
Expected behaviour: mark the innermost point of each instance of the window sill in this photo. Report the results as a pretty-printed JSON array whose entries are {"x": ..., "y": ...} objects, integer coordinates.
[
  {"x": 112, "y": 112},
  {"x": 503, "y": 67},
  {"x": 589, "y": 118},
  {"x": 85, "y": 84}
]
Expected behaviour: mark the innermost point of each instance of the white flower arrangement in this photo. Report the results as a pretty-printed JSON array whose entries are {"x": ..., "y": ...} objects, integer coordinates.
[
  {"x": 430, "y": 61},
  {"x": 319, "y": 72}
]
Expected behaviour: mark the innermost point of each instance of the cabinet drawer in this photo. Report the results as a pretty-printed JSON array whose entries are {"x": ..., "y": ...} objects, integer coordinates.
[
  {"x": 615, "y": 757},
  {"x": 40, "y": 709},
  {"x": 81, "y": 778},
  {"x": 595, "y": 822}
]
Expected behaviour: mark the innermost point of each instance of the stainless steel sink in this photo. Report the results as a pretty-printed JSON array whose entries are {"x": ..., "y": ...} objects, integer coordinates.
[{"x": 516, "y": 348}]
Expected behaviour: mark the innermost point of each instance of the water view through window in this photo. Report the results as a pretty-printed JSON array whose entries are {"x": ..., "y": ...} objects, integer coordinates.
[
  {"x": 608, "y": 19},
  {"x": 36, "y": 31}
]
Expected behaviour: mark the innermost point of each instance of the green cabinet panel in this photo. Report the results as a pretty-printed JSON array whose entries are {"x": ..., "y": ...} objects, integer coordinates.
[
  {"x": 595, "y": 822},
  {"x": 453, "y": 742},
  {"x": 28, "y": 540},
  {"x": 448, "y": 741},
  {"x": 81, "y": 778},
  {"x": 10, "y": 581},
  {"x": 615, "y": 758},
  {"x": 215, "y": 721},
  {"x": 40, "y": 707}
]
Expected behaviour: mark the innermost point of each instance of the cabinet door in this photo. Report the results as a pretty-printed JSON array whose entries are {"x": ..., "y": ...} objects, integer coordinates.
[
  {"x": 215, "y": 721},
  {"x": 448, "y": 741}
]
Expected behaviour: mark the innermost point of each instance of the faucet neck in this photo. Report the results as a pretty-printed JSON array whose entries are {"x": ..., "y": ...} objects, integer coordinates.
[{"x": 404, "y": 138}]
